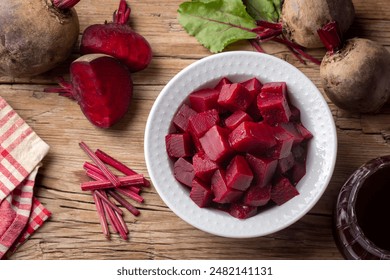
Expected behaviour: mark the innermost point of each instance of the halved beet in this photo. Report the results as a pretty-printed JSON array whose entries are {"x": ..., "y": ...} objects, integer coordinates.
[
  {"x": 273, "y": 104},
  {"x": 242, "y": 211},
  {"x": 204, "y": 167},
  {"x": 253, "y": 85},
  {"x": 284, "y": 142},
  {"x": 221, "y": 83},
  {"x": 204, "y": 99},
  {"x": 263, "y": 169},
  {"x": 184, "y": 172},
  {"x": 179, "y": 145},
  {"x": 201, "y": 193},
  {"x": 238, "y": 174},
  {"x": 285, "y": 164},
  {"x": 200, "y": 123},
  {"x": 180, "y": 120},
  {"x": 236, "y": 119},
  {"x": 222, "y": 194},
  {"x": 215, "y": 144},
  {"x": 234, "y": 97},
  {"x": 252, "y": 137},
  {"x": 282, "y": 191},
  {"x": 257, "y": 195}
]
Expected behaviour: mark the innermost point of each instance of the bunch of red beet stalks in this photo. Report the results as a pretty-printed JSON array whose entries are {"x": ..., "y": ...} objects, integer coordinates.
[{"x": 106, "y": 184}]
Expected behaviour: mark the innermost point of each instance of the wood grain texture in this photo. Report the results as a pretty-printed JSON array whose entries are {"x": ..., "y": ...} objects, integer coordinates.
[{"x": 74, "y": 232}]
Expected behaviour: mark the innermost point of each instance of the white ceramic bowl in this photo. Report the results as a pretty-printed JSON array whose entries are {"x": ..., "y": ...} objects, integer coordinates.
[{"x": 238, "y": 66}]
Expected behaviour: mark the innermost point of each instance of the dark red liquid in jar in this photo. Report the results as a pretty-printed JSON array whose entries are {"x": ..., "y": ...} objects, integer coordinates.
[{"x": 361, "y": 226}]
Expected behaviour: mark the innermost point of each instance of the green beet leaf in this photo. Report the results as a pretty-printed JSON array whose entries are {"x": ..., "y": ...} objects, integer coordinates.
[
  {"x": 216, "y": 23},
  {"x": 268, "y": 10}
]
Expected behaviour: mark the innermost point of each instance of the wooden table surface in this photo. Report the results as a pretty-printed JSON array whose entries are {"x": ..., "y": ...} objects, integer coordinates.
[{"x": 74, "y": 232}]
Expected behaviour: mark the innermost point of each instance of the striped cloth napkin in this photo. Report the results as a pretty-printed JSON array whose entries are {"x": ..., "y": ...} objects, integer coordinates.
[{"x": 21, "y": 151}]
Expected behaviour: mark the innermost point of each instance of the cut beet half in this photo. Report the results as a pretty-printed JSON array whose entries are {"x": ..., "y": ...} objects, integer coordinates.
[
  {"x": 234, "y": 97},
  {"x": 215, "y": 144},
  {"x": 204, "y": 99},
  {"x": 179, "y": 145},
  {"x": 200, "y": 123}
]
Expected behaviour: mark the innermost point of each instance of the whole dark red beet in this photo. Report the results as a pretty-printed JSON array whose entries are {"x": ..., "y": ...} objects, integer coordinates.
[{"x": 119, "y": 40}]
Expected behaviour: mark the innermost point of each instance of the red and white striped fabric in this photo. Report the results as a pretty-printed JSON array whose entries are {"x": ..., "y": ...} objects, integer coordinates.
[{"x": 21, "y": 151}]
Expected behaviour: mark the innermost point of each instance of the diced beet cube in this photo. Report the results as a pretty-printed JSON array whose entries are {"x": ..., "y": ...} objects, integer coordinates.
[
  {"x": 222, "y": 194},
  {"x": 285, "y": 164},
  {"x": 291, "y": 127},
  {"x": 179, "y": 145},
  {"x": 299, "y": 153},
  {"x": 263, "y": 169},
  {"x": 252, "y": 137},
  {"x": 203, "y": 121},
  {"x": 284, "y": 142},
  {"x": 215, "y": 143},
  {"x": 297, "y": 172},
  {"x": 204, "y": 167},
  {"x": 273, "y": 104},
  {"x": 282, "y": 191},
  {"x": 241, "y": 211},
  {"x": 306, "y": 134},
  {"x": 253, "y": 86},
  {"x": 295, "y": 114},
  {"x": 257, "y": 195},
  {"x": 254, "y": 111},
  {"x": 184, "y": 172},
  {"x": 221, "y": 83},
  {"x": 238, "y": 174},
  {"x": 201, "y": 193},
  {"x": 180, "y": 120},
  {"x": 204, "y": 99},
  {"x": 235, "y": 97},
  {"x": 236, "y": 119}
]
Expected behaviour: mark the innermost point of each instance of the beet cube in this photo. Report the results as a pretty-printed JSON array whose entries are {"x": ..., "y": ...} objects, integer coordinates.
[
  {"x": 238, "y": 174},
  {"x": 257, "y": 195},
  {"x": 179, "y": 145},
  {"x": 201, "y": 122},
  {"x": 295, "y": 114},
  {"x": 292, "y": 129},
  {"x": 254, "y": 111},
  {"x": 242, "y": 211},
  {"x": 285, "y": 164},
  {"x": 180, "y": 120},
  {"x": 297, "y": 172},
  {"x": 299, "y": 153},
  {"x": 263, "y": 169},
  {"x": 221, "y": 83},
  {"x": 184, "y": 172},
  {"x": 222, "y": 194},
  {"x": 204, "y": 99},
  {"x": 201, "y": 193},
  {"x": 204, "y": 167},
  {"x": 215, "y": 143},
  {"x": 253, "y": 86},
  {"x": 252, "y": 137},
  {"x": 306, "y": 134},
  {"x": 236, "y": 119},
  {"x": 273, "y": 104},
  {"x": 235, "y": 97},
  {"x": 284, "y": 142},
  {"x": 282, "y": 191}
]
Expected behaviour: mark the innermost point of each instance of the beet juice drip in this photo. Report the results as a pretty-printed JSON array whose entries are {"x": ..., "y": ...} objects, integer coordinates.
[{"x": 373, "y": 208}]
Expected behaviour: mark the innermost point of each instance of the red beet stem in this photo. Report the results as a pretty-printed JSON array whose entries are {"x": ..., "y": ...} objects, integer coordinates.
[
  {"x": 267, "y": 24},
  {"x": 122, "y": 15},
  {"x": 124, "y": 203},
  {"x": 65, "y": 89},
  {"x": 130, "y": 194},
  {"x": 296, "y": 50},
  {"x": 109, "y": 175},
  {"x": 257, "y": 46},
  {"x": 101, "y": 213},
  {"x": 65, "y": 4},
  {"x": 137, "y": 179},
  {"x": 117, "y": 164},
  {"x": 330, "y": 36},
  {"x": 108, "y": 202}
]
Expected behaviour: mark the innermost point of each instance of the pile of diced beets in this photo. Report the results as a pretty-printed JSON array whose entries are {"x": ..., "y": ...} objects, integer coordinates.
[{"x": 239, "y": 147}]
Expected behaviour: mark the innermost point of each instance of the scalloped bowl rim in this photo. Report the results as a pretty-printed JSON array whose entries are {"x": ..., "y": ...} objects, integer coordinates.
[{"x": 238, "y": 66}]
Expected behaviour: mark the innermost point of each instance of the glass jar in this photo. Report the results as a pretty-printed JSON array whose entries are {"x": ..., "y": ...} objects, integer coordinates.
[{"x": 361, "y": 223}]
